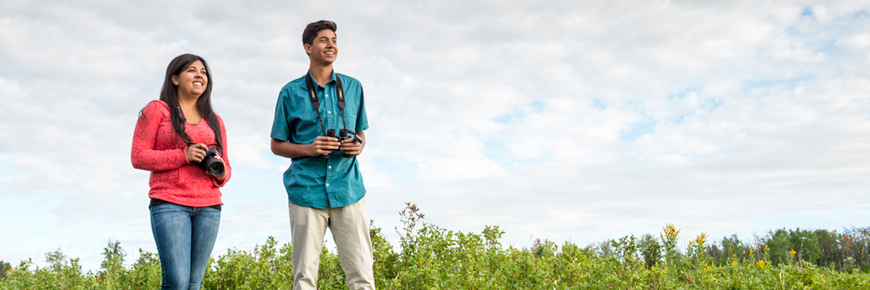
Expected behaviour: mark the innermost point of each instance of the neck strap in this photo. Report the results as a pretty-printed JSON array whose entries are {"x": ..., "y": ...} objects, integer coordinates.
[{"x": 315, "y": 103}]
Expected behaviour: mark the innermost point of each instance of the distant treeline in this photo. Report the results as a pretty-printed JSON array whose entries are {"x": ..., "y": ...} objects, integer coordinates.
[
  {"x": 846, "y": 250},
  {"x": 843, "y": 251}
]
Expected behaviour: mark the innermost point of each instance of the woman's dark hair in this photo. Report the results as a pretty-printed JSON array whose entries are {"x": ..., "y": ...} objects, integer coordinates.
[
  {"x": 314, "y": 27},
  {"x": 169, "y": 94}
]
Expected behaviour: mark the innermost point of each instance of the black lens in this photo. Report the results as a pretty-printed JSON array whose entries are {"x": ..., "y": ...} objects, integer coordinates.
[
  {"x": 214, "y": 166},
  {"x": 343, "y": 136},
  {"x": 329, "y": 133},
  {"x": 210, "y": 164}
]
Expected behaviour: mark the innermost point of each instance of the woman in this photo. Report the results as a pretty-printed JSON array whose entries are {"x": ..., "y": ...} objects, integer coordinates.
[{"x": 172, "y": 139}]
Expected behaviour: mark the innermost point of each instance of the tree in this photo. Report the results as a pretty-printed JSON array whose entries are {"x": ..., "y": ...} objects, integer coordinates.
[
  {"x": 4, "y": 267},
  {"x": 56, "y": 259},
  {"x": 651, "y": 250},
  {"x": 728, "y": 250},
  {"x": 113, "y": 257}
]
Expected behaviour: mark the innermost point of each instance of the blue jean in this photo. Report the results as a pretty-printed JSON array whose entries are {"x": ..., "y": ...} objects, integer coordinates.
[{"x": 185, "y": 237}]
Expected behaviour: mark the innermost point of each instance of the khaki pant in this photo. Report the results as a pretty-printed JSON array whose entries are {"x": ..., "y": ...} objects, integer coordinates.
[{"x": 350, "y": 231}]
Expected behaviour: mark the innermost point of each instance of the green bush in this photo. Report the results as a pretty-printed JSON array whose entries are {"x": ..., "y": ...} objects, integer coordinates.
[{"x": 431, "y": 257}]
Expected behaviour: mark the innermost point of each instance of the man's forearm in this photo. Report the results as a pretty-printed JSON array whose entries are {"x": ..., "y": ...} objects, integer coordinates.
[{"x": 290, "y": 150}]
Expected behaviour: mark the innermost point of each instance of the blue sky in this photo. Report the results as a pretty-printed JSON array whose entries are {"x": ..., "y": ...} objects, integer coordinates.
[{"x": 559, "y": 120}]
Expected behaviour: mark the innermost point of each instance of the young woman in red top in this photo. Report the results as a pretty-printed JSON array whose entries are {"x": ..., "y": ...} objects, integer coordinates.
[{"x": 183, "y": 143}]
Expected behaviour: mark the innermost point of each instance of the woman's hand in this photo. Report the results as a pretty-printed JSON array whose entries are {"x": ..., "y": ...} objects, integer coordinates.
[{"x": 196, "y": 152}]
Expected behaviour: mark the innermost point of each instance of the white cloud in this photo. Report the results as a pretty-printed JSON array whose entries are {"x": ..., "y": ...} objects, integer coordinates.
[
  {"x": 856, "y": 42},
  {"x": 557, "y": 120}
]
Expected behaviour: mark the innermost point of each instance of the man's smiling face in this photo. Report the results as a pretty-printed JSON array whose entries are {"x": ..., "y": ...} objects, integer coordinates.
[{"x": 324, "y": 48}]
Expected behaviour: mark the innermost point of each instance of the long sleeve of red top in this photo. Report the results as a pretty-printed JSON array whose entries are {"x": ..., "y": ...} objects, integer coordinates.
[{"x": 159, "y": 149}]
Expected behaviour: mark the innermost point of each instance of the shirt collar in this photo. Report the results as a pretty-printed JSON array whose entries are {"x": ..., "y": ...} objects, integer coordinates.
[{"x": 332, "y": 77}]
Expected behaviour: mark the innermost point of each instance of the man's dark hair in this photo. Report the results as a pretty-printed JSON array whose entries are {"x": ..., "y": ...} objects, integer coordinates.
[{"x": 314, "y": 27}]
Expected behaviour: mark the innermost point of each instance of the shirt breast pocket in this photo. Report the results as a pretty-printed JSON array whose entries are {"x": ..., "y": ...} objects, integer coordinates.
[
  {"x": 304, "y": 121},
  {"x": 350, "y": 114}
]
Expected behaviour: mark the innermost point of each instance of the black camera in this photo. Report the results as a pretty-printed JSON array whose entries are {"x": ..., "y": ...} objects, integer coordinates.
[
  {"x": 210, "y": 164},
  {"x": 342, "y": 135}
]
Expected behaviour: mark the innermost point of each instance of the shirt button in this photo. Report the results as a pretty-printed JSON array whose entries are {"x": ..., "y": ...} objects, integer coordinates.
[
  {"x": 329, "y": 112},
  {"x": 327, "y": 184},
  {"x": 330, "y": 167},
  {"x": 327, "y": 95}
]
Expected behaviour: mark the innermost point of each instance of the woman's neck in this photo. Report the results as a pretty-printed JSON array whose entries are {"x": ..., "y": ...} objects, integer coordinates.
[
  {"x": 187, "y": 102},
  {"x": 188, "y": 108}
]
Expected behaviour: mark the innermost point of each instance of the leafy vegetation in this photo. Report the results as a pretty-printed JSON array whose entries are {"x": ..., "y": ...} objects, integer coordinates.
[
  {"x": 431, "y": 257},
  {"x": 4, "y": 268}
]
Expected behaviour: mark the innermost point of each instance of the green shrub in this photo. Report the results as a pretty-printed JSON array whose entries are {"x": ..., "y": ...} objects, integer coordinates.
[{"x": 431, "y": 257}]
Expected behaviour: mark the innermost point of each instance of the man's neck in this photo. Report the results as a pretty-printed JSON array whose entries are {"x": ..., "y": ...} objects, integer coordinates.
[{"x": 322, "y": 74}]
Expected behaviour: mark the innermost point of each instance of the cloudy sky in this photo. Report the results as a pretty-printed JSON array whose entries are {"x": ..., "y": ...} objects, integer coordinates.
[{"x": 562, "y": 120}]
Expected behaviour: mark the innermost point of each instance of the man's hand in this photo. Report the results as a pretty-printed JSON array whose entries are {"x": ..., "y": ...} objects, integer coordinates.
[
  {"x": 351, "y": 147},
  {"x": 323, "y": 145}
]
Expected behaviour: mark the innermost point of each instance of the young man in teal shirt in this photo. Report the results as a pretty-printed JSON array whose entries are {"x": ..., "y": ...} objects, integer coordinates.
[{"x": 323, "y": 183}]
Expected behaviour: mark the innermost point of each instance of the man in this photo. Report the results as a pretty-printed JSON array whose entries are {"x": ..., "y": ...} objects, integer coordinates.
[{"x": 323, "y": 183}]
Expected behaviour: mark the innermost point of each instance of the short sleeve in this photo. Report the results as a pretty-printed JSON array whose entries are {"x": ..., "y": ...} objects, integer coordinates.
[
  {"x": 362, "y": 122},
  {"x": 280, "y": 130}
]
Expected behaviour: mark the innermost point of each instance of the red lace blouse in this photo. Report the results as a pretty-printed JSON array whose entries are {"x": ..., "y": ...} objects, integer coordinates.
[{"x": 159, "y": 149}]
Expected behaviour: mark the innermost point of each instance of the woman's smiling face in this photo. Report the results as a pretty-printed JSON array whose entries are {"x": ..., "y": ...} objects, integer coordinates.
[{"x": 192, "y": 80}]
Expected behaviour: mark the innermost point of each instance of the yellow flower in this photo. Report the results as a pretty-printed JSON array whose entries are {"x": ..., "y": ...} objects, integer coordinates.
[
  {"x": 766, "y": 249},
  {"x": 670, "y": 231},
  {"x": 734, "y": 263},
  {"x": 701, "y": 238},
  {"x": 792, "y": 252},
  {"x": 760, "y": 264}
]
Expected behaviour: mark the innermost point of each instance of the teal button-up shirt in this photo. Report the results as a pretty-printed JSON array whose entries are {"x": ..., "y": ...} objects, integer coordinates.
[{"x": 314, "y": 181}]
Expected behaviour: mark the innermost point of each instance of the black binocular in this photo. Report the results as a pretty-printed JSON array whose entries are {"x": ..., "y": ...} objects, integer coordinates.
[{"x": 343, "y": 134}]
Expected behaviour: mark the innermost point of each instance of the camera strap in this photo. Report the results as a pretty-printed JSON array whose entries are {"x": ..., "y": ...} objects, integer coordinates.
[{"x": 315, "y": 103}]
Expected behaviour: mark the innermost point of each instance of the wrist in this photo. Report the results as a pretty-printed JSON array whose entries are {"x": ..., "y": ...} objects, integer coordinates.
[
  {"x": 185, "y": 151},
  {"x": 312, "y": 150}
]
